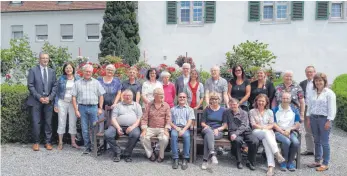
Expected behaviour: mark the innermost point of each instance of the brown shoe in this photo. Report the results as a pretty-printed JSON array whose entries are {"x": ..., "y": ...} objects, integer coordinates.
[
  {"x": 322, "y": 168},
  {"x": 48, "y": 146},
  {"x": 36, "y": 147}
]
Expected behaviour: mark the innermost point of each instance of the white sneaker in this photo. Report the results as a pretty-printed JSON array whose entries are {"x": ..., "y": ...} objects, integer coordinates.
[
  {"x": 214, "y": 160},
  {"x": 204, "y": 165}
]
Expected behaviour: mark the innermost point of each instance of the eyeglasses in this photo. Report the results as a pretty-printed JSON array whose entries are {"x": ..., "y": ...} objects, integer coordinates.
[
  {"x": 214, "y": 99},
  {"x": 181, "y": 97}
]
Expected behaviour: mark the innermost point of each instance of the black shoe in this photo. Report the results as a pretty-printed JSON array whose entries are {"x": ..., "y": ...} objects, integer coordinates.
[
  {"x": 250, "y": 165},
  {"x": 239, "y": 165},
  {"x": 116, "y": 158},
  {"x": 87, "y": 151},
  {"x": 128, "y": 159},
  {"x": 175, "y": 164},
  {"x": 184, "y": 164},
  {"x": 160, "y": 160},
  {"x": 152, "y": 158},
  {"x": 306, "y": 153}
]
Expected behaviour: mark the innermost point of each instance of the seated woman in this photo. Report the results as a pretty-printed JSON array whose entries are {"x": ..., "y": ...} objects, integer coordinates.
[
  {"x": 262, "y": 121},
  {"x": 212, "y": 125}
]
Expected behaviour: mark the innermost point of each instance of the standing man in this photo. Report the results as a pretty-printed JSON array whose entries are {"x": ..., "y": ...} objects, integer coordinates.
[
  {"x": 183, "y": 79},
  {"x": 42, "y": 87},
  {"x": 182, "y": 118},
  {"x": 132, "y": 84},
  {"x": 217, "y": 84},
  {"x": 87, "y": 94},
  {"x": 307, "y": 87}
]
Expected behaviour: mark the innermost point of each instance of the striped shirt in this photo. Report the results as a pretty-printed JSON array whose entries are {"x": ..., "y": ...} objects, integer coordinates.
[
  {"x": 181, "y": 114},
  {"x": 88, "y": 92},
  {"x": 156, "y": 118}
]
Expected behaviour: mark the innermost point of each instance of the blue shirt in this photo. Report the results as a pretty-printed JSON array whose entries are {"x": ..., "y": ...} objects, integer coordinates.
[
  {"x": 214, "y": 119},
  {"x": 181, "y": 115}
]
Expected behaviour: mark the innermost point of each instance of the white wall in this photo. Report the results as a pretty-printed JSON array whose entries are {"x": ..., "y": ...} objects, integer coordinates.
[
  {"x": 53, "y": 19},
  {"x": 297, "y": 44}
]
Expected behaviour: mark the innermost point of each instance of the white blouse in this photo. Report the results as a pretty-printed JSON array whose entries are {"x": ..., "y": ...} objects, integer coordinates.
[
  {"x": 148, "y": 88},
  {"x": 323, "y": 104}
]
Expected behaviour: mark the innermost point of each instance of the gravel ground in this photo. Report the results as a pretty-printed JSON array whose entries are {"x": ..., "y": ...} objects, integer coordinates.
[{"x": 19, "y": 159}]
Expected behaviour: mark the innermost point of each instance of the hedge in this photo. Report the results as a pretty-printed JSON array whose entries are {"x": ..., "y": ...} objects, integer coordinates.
[
  {"x": 340, "y": 88},
  {"x": 15, "y": 119}
]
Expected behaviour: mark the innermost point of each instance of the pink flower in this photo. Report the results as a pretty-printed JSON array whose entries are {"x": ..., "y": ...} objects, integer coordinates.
[{"x": 8, "y": 76}]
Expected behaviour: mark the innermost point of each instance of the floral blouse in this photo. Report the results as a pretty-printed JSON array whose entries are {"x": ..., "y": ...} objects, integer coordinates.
[
  {"x": 257, "y": 119},
  {"x": 294, "y": 89}
]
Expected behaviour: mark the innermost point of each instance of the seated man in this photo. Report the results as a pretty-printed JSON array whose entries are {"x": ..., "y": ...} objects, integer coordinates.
[
  {"x": 182, "y": 116},
  {"x": 287, "y": 119},
  {"x": 156, "y": 122},
  {"x": 240, "y": 132},
  {"x": 125, "y": 121}
]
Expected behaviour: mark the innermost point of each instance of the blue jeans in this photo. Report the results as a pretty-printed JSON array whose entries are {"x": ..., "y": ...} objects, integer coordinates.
[
  {"x": 89, "y": 115},
  {"x": 321, "y": 138},
  {"x": 174, "y": 144},
  {"x": 289, "y": 145}
]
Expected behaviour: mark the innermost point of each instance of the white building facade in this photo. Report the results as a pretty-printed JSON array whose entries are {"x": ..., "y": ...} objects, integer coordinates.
[{"x": 299, "y": 33}]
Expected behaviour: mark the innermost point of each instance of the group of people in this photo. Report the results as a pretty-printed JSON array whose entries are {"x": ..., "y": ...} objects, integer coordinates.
[{"x": 249, "y": 111}]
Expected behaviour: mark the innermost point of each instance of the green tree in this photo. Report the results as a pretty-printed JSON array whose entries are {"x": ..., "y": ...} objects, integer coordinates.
[
  {"x": 58, "y": 56},
  {"x": 251, "y": 55},
  {"x": 120, "y": 31}
]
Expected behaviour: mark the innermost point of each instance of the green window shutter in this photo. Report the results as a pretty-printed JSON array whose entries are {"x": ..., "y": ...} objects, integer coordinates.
[
  {"x": 322, "y": 10},
  {"x": 253, "y": 10},
  {"x": 171, "y": 14},
  {"x": 210, "y": 11},
  {"x": 297, "y": 10}
]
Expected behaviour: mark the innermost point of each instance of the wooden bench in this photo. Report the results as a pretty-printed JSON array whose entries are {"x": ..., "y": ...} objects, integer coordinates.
[{"x": 99, "y": 149}]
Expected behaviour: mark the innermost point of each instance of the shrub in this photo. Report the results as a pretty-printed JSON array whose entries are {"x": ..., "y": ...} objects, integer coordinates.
[
  {"x": 15, "y": 118},
  {"x": 340, "y": 88}
]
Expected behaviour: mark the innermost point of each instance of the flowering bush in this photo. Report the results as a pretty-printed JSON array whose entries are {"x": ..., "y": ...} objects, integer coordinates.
[{"x": 183, "y": 59}]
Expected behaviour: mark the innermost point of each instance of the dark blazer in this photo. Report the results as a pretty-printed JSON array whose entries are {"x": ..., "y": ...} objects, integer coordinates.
[
  {"x": 303, "y": 85},
  {"x": 35, "y": 85},
  {"x": 179, "y": 85}
]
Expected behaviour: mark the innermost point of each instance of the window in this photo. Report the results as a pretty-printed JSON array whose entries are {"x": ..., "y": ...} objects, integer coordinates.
[
  {"x": 338, "y": 11},
  {"x": 66, "y": 32},
  {"x": 16, "y": 2},
  {"x": 41, "y": 32},
  {"x": 275, "y": 11},
  {"x": 191, "y": 12},
  {"x": 17, "y": 31},
  {"x": 93, "y": 32}
]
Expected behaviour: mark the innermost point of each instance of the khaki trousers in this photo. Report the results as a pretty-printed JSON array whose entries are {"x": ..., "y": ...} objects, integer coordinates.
[{"x": 163, "y": 141}]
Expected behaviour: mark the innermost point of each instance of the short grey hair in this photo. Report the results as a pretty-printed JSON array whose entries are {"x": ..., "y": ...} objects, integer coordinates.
[
  {"x": 287, "y": 72},
  {"x": 87, "y": 66},
  {"x": 164, "y": 73},
  {"x": 216, "y": 67},
  {"x": 42, "y": 53},
  {"x": 233, "y": 100},
  {"x": 111, "y": 66},
  {"x": 186, "y": 65},
  {"x": 128, "y": 91}
]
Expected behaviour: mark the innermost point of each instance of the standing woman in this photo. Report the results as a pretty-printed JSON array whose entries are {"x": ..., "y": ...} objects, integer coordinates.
[
  {"x": 194, "y": 90},
  {"x": 113, "y": 87},
  {"x": 149, "y": 86},
  {"x": 169, "y": 88},
  {"x": 322, "y": 111},
  {"x": 63, "y": 104},
  {"x": 261, "y": 86},
  {"x": 239, "y": 87}
]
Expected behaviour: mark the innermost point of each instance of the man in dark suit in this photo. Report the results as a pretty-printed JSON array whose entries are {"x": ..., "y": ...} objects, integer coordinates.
[
  {"x": 307, "y": 87},
  {"x": 183, "y": 79},
  {"x": 42, "y": 87}
]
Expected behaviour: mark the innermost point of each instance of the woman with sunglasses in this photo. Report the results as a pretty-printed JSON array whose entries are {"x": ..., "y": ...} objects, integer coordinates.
[
  {"x": 239, "y": 87},
  {"x": 212, "y": 124}
]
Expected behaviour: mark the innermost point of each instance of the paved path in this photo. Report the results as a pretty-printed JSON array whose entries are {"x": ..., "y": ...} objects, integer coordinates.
[{"x": 19, "y": 159}]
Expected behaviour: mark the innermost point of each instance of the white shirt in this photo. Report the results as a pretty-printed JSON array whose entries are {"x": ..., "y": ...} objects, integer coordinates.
[
  {"x": 41, "y": 68},
  {"x": 285, "y": 118},
  {"x": 309, "y": 90},
  {"x": 324, "y": 104},
  {"x": 185, "y": 79},
  {"x": 68, "y": 90}
]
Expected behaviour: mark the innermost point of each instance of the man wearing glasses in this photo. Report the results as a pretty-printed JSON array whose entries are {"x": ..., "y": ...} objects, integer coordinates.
[{"x": 182, "y": 117}]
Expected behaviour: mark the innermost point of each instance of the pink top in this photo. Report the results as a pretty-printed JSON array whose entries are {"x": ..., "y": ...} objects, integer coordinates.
[{"x": 169, "y": 94}]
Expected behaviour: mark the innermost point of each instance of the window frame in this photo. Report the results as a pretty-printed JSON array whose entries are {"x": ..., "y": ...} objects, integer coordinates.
[
  {"x": 37, "y": 36},
  {"x": 61, "y": 36},
  {"x": 13, "y": 32},
  {"x": 87, "y": 37},
  {"x": 274, "y": 19},
  {"x": 191, "y": 14},
  {"x": 343, "y": 17}
]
